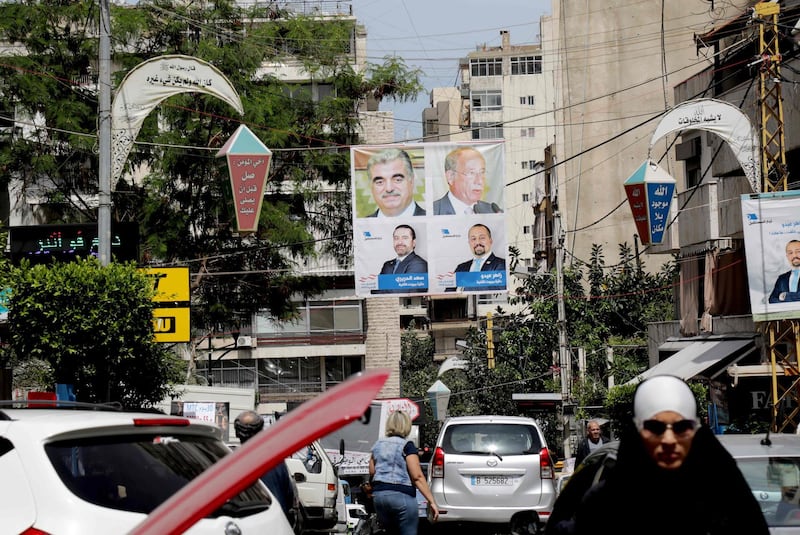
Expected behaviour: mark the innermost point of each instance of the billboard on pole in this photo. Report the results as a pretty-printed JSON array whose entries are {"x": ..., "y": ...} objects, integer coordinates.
[
  {"x": 771, "y": 225},
  {"x": 429, "y": 218}
]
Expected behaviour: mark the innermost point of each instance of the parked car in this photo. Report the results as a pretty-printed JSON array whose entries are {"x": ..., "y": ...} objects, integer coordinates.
[
  {"x": 355, "y": 512},
  {"x": 91, "y": 469},
  {"x": 770, "y": 464},
  {"x": 315, "y": 418},
  {"x": 317, "y": 485},
  {"x": 493, "y": 472},
  {"x": 422, "y": 503}
]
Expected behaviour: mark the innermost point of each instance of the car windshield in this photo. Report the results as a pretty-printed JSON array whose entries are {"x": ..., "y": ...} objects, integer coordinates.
[
  {"x": 499, "y": 439},
  {"x": 137, "y": 473},
  {"x": 774, "y": 482}
]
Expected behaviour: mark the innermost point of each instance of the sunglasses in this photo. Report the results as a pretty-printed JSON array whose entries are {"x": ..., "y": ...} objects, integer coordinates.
[{"x": 657, "y": 427}]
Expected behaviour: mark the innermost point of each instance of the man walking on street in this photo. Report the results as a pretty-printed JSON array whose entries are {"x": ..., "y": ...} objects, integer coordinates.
[{"x": 592, "y": 441}]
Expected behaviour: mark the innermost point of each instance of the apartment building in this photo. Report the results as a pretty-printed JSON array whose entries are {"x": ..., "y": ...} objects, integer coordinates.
[{"x": 505, "y": 93}]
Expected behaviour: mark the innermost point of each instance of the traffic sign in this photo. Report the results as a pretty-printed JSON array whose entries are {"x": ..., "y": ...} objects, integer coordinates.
[{"x": 401, "y": 404}]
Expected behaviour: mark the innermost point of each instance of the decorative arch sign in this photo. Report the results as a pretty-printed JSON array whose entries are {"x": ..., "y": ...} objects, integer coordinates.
[
  {"x": 151, "y": 82},
  {"x": 723, "y": 119}
]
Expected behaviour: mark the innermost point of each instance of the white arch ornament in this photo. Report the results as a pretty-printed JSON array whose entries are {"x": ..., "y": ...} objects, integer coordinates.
[
  {"x": 723, "y": 119},
  {"x": 149, "y": 83}
]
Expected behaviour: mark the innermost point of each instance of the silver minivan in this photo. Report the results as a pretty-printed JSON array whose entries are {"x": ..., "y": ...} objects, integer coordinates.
[{"x": 493, "y": 470}]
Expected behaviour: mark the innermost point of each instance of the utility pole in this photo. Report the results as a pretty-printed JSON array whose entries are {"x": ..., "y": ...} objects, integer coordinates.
[
  {"x": 782, "y": 336},
  {"x": 563, "y": 355},
  {"x": 489, "y": 341},
  {"x": 104, "y": 135}
]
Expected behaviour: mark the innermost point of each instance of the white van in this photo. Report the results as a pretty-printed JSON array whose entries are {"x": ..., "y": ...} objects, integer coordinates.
[{"x": 317, "y": 485}]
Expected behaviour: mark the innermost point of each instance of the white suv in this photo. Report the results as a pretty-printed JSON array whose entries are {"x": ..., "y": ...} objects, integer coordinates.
[
  {"x": 71, "y": 471},
  {"x": 492, "y": 470}
]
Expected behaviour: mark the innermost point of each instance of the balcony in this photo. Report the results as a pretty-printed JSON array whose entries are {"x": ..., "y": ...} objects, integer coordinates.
[{"x": 710, "y": 214}]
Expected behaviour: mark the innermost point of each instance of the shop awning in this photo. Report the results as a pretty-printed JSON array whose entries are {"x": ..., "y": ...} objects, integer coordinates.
[{"x": 706, "y": 358}]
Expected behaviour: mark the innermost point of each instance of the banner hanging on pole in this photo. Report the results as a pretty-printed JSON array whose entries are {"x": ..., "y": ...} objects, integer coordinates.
[{"x": 248, "y": 166}]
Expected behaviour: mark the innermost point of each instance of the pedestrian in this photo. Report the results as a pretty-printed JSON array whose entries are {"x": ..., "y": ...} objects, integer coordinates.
[
  {"x": 592, "y": 441},
  {"x": 394, "y": 471},
  {"x": 671, "y": 475},
  {"x": 278, "y": 480}
]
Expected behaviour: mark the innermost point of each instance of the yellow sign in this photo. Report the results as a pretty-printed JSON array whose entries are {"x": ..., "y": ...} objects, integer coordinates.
[
  {"x": 170, "y": 284},
  {"x": 171, "y": 324}
]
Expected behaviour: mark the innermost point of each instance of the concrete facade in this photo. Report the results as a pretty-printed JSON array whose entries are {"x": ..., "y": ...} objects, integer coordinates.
[{"x": 615, "y": 64}]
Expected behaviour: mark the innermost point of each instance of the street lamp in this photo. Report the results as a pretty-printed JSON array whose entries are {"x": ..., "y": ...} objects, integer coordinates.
[{"x": 439, "y": 397}]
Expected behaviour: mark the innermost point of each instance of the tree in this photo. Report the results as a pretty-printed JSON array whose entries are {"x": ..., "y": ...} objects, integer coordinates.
[
  {"x": 93, "y": 325},
  {"x": 183, "y": 203},
  {"x": 622, "y": 300},
  {"x": 418, "y": 372}
]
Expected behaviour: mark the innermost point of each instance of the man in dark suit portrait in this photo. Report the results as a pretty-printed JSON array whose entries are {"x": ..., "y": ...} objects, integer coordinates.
[
  {"x": 787, "y": 286},
  {"x": 465, "y": 172},
  {"x": 480, "y": 241},
  {"x": 391, "y": 177},
  {"x": 404, "y": 240}
]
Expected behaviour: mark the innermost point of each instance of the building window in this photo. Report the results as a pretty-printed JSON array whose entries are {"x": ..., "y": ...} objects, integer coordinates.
[
  {"x": 526, "y": 65},
  {"x": 487, "y": 131},
  {"x": 529, "y": 164},
  {"x": 486, "y": 66},
  {"x": 526, "y": 229},
  {"x": 526, "y": 100},
  {"x": 431, "y": 126},
  {"x": 526, "y": 197},
  {"x": 325, "y": 91},
  {"x": 487, "y": 100},
  {"x": 314, "y": 318},
  {"x": 528, "y": 131}
]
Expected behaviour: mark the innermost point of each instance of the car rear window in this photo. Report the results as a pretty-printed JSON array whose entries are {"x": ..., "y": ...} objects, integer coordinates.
[
  {"x": 137, "y": 473},
  {"x": 774, "y": 482},
  {"x": 502, "y": 439}
]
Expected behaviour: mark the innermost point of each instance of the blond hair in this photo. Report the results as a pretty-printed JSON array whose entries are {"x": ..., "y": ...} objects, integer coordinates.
[{"x": 398, "y": 424}]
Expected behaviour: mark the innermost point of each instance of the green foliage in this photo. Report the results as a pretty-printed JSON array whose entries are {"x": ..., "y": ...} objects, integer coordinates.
[
  {"x": 392, "y": 79},
  {"x": 33, "y": 374},
  {"x": 93, "y": 325},
  {"x": 417, "y": 374},
  {"x": 622, "y": 299},
  {"x": 184, "y": 203}
]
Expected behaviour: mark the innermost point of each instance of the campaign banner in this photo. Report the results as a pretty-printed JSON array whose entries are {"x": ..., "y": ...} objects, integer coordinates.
[
  {"x": 429, "y": 218},
  {"x": 771, "y": 227}
]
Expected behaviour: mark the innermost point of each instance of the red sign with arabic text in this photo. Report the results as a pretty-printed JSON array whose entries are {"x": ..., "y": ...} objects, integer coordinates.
[{"x": 248, "y": 174}]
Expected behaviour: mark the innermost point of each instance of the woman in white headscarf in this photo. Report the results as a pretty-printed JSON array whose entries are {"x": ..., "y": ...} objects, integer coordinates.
[{"x": 671, "y": 476}]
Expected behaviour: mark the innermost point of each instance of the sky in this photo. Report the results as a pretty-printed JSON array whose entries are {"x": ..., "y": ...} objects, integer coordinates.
[{"x": 433, "y": 34}]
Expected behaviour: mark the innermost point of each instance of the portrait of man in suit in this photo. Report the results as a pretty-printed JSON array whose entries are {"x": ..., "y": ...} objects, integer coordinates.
[
  {"x": 465, "y": 172},
  {"x": 787, "y": 285},
  {"x": 391, "y": 176},
  {"x": 480, "y": 242},
  {"x": 404, "y": 241}
]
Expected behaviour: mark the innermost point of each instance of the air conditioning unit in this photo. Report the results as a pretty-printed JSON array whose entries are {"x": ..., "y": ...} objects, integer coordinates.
[{"x": 246, "y": 341}]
